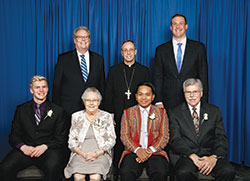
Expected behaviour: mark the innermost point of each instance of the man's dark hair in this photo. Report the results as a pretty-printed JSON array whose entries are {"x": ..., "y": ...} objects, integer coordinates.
[
  {"x": 180, "y": 16},
  {"x": 148, "y": 84},
  {"x": 126, "y": 41}
]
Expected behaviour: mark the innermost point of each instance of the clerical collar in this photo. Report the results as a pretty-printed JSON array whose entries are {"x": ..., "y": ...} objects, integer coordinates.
[{"x": 132, "y": 65}]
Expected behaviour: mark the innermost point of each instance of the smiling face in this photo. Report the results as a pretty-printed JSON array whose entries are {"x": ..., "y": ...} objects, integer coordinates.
[
  {"x": 193, "y": 94},
  {"x": 82, "y": 41},
  {"x": 144, "y": 96},
  {"x": 128, "y": 52},
  {"x": 178, "y": 28},
  {"x": 39, "y": 89},
  {"x": 91, "y": 102}
]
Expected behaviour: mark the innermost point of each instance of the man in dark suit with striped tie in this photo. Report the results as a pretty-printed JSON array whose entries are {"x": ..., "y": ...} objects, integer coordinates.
[
  {"x": 198, "y": 141},
  {"x": 75, "y": 71},
  {"x": 38, "y": 135}
]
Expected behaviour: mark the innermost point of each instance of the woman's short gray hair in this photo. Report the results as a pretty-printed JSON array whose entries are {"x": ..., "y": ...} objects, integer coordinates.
[
  {"x": 192, "y": 81},
  {"x": 91, "y": 89}
]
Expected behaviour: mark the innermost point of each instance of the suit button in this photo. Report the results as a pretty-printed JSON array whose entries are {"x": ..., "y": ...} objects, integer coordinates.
[{"x": 36, "y": 132}]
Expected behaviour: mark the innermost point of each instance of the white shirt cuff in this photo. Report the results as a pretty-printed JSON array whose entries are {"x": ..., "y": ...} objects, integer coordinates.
[
  {"x": 153, "y": 149},
  {"x": 136, "y": 149}
]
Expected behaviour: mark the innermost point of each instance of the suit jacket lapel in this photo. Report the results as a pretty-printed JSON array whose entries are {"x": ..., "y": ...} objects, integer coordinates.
[
  {"x": 91, "y": 65},
  {"x": 189, "y": 120},
  {"x": 202, "y": 112},
  {"x": 31, "y": 113},
  {"x": 138, "y": 121},
  {"x": 172, "y": 62},
  {"x": 150, "y": 122},
  {"x": 187, "y": 55},
  {"x": 47, "y": 108},
  {"x": 76, "y": 64}
]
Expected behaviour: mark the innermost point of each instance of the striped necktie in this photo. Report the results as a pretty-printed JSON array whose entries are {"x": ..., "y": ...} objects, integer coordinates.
[
  {"x": 84, "y": 68},
  {"x": 196, "y": 121},
  {"x": 38, "y": 114},
  {"x": 179, "y": 55}
]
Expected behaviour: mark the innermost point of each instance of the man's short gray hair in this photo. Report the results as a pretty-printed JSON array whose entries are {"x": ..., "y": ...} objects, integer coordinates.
[
  {"x": 81, "y": 28},
  {"x": 192, "y": 81},
  {"x": 91, "y": 89},
  {"x": 37, "y": 78}
]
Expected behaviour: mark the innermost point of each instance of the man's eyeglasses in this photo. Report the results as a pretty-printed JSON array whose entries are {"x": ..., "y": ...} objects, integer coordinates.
[
  {"x": 82, "y": 37},
  {"x": 89, "y": 101},
  {"x": 195, "y": 93}
]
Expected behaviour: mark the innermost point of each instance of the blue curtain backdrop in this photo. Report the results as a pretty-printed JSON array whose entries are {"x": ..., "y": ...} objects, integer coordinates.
[{"x": 34, "y": 32}]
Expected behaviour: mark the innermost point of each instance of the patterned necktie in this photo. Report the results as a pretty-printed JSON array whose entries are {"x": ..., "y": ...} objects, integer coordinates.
[
  {"x": 196, "y": 121},
  {"x": 38, "y": 114},
  {"x": 84, "y": 68},
  {"x": 179, "y": 52}
]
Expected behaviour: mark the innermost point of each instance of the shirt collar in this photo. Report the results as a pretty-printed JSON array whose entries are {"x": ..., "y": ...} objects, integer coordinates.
[
  {"x": 147, "y": 109},
  {"x": 79, "y": 54},
  {"x": 198, "y": 106},
  {"x": 42, "y": 106},
  {"x": 184, "y": 41}
]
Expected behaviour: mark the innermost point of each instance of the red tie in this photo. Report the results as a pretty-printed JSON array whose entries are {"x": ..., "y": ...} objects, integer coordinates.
[{"x": 196, "y": 121}]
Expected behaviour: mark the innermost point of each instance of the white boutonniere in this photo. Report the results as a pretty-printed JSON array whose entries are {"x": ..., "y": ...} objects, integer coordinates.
[
  {"x": 49, "y": 114},
  {"x": 205, "y": 117},
  {"x": 152, "y": 116}
]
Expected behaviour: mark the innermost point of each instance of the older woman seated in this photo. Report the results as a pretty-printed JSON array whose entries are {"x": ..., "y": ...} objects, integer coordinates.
[{"x": 91, "y": 139}]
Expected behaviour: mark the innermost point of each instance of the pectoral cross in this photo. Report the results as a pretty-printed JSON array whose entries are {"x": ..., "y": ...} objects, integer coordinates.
[{"x": 128, "y": 93}]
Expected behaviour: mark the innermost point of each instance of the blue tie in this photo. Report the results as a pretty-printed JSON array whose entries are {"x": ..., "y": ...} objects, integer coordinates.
[
  {"x": 38, "y": 114},
  {"x": 84, "y": 68},
  {"x": 179, "y": 52}
]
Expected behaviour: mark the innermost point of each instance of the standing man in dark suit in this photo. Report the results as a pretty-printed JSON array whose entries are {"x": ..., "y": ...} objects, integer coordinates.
[
  {"x": 75, "y": 71},
  {"x": 121, "y": 87},
  {"x": 198, "y": 142},
  {"x": 37, "y": 136},
  {"x": 175, "y": 61}
]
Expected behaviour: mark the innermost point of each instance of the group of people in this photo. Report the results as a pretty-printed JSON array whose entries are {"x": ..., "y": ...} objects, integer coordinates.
[{"x": 150, "y": 125}]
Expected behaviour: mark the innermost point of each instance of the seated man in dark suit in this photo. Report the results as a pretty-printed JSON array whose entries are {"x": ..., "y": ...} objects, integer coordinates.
[
  {"x": 198, "y": 139},
  {"x": 37, "y": 135},
  {"x": 144, "y": 133}
]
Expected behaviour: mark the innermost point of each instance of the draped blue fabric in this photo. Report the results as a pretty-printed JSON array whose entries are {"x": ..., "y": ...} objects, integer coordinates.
[{"x": 33, "y": 33}]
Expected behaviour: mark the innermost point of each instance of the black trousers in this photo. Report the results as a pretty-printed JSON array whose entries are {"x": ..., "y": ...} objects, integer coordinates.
[
  {"x": 118, "y": 149},
  {"x": 50, "y": 162},
  {"x": 185, "y": 169},
  {"x": 156, "y": 168}
]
